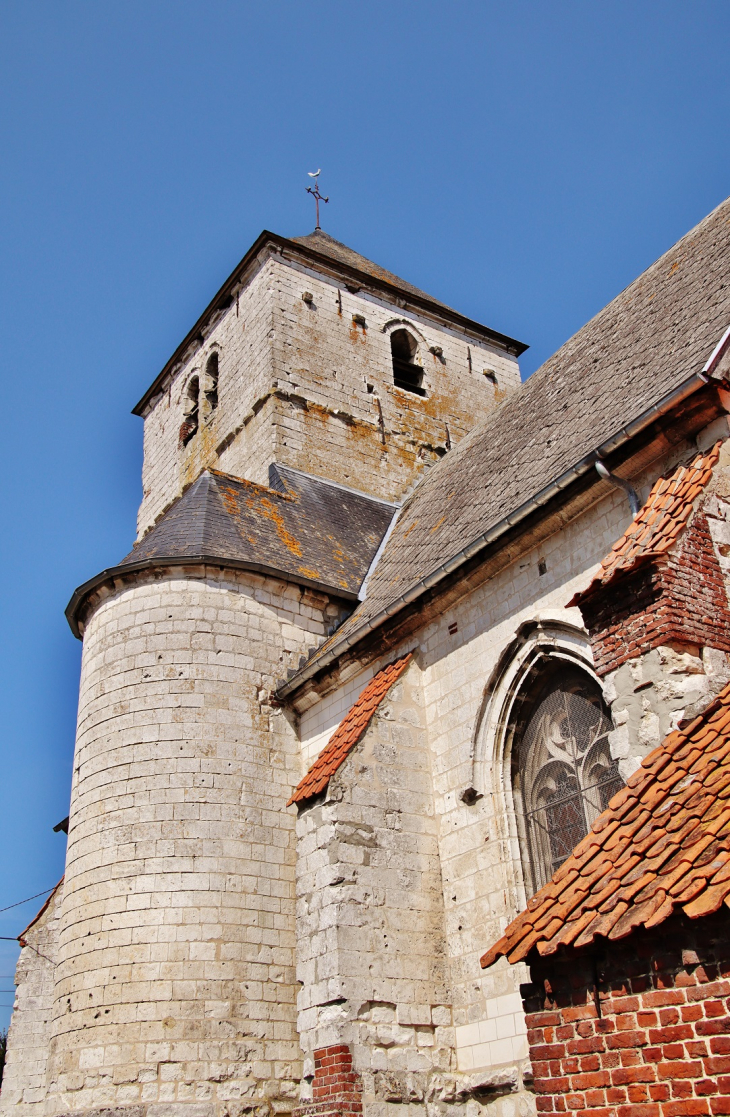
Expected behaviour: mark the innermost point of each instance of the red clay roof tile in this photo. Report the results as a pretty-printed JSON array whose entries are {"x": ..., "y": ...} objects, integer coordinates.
[
  {"x": 671, "y": 852},
  {"x": 658, "y": 524},
  {"x": 348, "y": 732}
]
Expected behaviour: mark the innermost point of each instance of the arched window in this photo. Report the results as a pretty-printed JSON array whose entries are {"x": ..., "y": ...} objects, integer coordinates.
[
  {"x": 210, "y": 384},
  {"x": 190, "y": 411},
  {"x": 406, "y": 373},
  {"x": 562, "y": 772}
]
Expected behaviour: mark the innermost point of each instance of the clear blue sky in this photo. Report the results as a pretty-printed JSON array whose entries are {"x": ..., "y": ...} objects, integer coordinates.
[{"x": 521, "y": 160}]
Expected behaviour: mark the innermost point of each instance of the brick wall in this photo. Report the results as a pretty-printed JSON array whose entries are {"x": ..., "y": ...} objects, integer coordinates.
[
  {"x": 636, "y": 1028},
  {"x": 680, "y": 598}
]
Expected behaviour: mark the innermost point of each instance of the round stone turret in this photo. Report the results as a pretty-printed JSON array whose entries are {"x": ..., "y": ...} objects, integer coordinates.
[{"x": 175, "y": 979}]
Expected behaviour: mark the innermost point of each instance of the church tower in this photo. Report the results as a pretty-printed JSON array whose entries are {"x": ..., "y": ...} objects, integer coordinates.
[
  {"x": 278, "y": 439},
  {"x": 314, "y": 357}
]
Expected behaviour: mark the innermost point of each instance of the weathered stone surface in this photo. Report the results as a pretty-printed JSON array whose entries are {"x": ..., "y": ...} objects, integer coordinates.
[
  {"x": 210, "y": 941},
  {"x": 303, "y": 384}
]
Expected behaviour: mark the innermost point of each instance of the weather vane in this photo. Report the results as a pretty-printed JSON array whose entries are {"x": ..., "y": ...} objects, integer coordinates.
[{"x": 315, "y": 192}]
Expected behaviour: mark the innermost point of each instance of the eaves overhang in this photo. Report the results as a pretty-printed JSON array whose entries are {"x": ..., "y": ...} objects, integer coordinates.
[
  {"x": 125, "y": 570},
  {"x": 223, "y": 299}
]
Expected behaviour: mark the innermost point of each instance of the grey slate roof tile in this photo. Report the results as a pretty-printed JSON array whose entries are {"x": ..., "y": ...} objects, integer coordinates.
[
  {"x": 302, "y": 526},
  {"x": 323, "y": 243},
  {"x": 646, "y": 342}
]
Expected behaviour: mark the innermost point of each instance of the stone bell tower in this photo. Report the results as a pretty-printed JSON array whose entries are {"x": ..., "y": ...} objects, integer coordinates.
[
  {"x": 314, "y": 357},
  {"x": 300, "y": 407}
]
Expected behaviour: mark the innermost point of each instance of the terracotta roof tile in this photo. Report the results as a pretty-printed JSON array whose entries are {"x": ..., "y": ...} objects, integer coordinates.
[
  {"x": 348, "y": 732},
  {"x": 662, "y": 843},
  {"x": 659, "y": 523}
]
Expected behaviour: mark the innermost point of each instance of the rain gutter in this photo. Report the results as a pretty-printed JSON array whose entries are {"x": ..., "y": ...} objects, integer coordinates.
[{"x": 585, "y": 465}]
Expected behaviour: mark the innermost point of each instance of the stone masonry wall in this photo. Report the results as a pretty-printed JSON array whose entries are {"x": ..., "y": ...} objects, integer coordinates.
[
  {"x": 636, "y": 1028},
  {"x": 370, "y": 933},
  {"x": 25, "y": 1080},
  {"x": 650, "y": 695},
  {"x": 305, "y": 384},
  {"x": 242, "y": 339},
  {"x": 357, "y": 427},
  {"x": 175, "y": 982},
  {"x": 479, "y": 856}
]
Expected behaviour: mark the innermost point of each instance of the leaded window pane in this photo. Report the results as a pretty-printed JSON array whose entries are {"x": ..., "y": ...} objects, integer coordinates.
[{"x": 564, "y": 774}]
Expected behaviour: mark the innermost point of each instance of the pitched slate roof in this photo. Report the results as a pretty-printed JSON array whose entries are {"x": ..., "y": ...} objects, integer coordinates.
[
  {"x": 309, "y": 531},
  {"x": 326, "y": 245},
  {"x": 662, "y": 844},
  {"x": 659, "y": 523},
  {"x": 644, "y": 345},
  {"x": 348, "y": 732}
]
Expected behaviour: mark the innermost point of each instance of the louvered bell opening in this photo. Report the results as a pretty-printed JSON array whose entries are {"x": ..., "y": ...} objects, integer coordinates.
[
  {"x": 408, "y": 377},
  {"x": 406, "y": 373}
]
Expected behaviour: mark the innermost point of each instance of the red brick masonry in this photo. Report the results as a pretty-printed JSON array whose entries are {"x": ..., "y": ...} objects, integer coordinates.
[
  {"x": 336, "y": 1088},
  {"x": 661, "y": 582},
  {"x": 637, "y": 1028},
  {"x": 677, "y": 597}
]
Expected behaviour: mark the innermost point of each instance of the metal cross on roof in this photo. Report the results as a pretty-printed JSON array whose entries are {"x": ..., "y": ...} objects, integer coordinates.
[{"x": 315, "y": 192}]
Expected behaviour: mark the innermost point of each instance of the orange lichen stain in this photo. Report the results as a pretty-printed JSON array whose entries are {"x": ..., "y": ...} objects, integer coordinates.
[
  {"x": 410, "y": 529},
  {"x": 200, "y": 451},
  {"x": 267, "y": 509},
  {"x": 338, "y": 554},
  {"x": 230, "y": 499},
  {"x": 308, "y": 573},
  {"x": 673, "y": 268},
  {"x": 358, "y": 333},
  {"x": 437, "y": 525}
]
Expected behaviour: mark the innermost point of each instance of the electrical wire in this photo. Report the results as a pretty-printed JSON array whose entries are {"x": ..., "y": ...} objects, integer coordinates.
[{"x": 25, "y": 901}]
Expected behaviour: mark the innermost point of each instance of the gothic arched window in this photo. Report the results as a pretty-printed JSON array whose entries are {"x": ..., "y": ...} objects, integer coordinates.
[
  {"x": 406, "y": 373},
  {"x": 562, "y": 772}
]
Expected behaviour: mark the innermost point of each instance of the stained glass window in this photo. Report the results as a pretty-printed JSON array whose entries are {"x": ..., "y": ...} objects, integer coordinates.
[{"x": 563, "y": 774}]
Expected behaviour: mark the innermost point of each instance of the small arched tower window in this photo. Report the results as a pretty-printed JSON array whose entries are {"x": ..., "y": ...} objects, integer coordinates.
[
  {"x": 210, "y": 384},
  {"x": 562, "y": 772},
  {"x": 190, "y": 411},
  {"x": 406, "y": 373}
]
